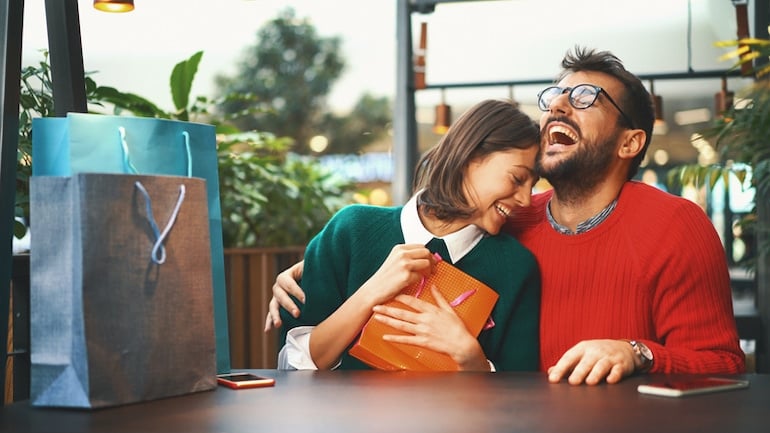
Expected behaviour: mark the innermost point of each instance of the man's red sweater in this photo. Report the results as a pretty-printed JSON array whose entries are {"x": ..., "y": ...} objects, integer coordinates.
[{"x": 653, "y": 271}]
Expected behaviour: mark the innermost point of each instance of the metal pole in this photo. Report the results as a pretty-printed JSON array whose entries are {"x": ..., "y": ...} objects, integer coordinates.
[
  {"x": 404, "y": 121},
  {"x": 11, "y": 17},
  {"x": 69, "y": 95},
  {"x": 66, "y": 48},
  {"x": 761, "y": 19}
]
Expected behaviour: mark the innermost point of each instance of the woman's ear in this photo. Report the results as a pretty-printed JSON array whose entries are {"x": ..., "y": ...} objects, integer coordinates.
[{"x": 633, "y": 143}]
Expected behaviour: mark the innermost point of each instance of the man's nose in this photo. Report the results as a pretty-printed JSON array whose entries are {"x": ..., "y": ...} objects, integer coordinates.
[{"x": 560, "y": 103}]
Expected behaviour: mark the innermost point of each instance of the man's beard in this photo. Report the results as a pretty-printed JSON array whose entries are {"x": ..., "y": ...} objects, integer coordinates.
[{"x": 575, "y": 178}]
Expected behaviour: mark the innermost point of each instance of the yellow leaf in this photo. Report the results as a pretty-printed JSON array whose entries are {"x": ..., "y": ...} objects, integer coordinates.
[
  {"x": 725, "y": 179},
  {"x": 726, "y": 43},
  {"x": 729, "y": 55},
  {"x": 741, "y": 174},
  {"x": 752, "y": 41},
  {"x": 750, "y": 56}
]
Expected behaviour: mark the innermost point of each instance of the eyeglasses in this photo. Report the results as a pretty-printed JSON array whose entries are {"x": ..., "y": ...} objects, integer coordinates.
[{"x": 581, "y": 97}]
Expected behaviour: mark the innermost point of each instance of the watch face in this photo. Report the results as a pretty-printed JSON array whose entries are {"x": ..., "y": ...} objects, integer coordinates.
[{"x": 645, "y": 351}]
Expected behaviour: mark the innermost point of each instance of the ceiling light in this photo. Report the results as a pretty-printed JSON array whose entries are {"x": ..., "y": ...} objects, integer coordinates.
[
  {"x": 723, "y": 100},
  {"x": 690, "y": 117},
  {"x": 114, "y": 5},
  {"x": 660, "y": 157}
]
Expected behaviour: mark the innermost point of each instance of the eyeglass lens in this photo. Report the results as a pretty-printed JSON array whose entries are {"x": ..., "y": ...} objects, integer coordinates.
[{"x": 581, "y": 96}]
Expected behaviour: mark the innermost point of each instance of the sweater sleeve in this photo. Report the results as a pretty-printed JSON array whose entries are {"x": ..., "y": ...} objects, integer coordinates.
[
  {"x": 520, "y": 348},
  {"x": 692, "y": 306},
  {"x": 323, "y": 277}
]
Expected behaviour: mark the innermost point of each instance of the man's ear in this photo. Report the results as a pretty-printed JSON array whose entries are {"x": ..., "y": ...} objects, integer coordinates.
[{"x": 633, "y": 143}]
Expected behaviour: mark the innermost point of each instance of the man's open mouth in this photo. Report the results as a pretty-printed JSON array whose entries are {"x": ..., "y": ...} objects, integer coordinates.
[{"x": 558, "y": 134}]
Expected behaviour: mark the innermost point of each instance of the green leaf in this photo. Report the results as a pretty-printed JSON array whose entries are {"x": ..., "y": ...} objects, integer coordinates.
[
  {"x": 725, "y": 179},
  {"x": 181, "y": 80},
  {"x": 19, "y": 230},
  {"x": 138, "y": 105}
]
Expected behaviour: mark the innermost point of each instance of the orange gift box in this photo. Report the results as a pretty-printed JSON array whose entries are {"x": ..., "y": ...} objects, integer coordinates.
[{"x": 471, "y": 299}]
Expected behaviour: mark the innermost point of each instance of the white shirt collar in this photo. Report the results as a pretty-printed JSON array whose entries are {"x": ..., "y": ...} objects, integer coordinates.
[{"x": 458, "y": 243}]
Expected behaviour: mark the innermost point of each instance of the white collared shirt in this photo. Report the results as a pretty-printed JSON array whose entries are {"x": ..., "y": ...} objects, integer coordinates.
[
  {"x": 295, "y": 354},
  {"x": 458, "y": 243}
]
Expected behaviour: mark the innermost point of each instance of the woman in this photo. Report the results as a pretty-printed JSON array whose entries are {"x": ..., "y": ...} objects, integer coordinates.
[{"x": 475, "y": 178}]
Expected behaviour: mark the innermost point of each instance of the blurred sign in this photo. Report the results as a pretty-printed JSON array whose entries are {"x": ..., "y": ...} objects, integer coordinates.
[{"x": 367, "y": 167}]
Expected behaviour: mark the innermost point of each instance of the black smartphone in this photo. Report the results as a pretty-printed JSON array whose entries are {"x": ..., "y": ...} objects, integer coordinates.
[
  {"x": 244, "y": 380},
  {"x": 691, "y": 386}
]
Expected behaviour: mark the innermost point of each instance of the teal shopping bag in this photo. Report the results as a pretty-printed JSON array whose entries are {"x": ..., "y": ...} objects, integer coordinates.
[{"x": 95, "y": 143}]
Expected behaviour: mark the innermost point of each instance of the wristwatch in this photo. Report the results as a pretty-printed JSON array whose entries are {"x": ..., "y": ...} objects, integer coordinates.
[{"x": 644, "y": 354}]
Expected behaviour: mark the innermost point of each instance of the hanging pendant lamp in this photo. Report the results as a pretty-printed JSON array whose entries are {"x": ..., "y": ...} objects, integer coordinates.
[
  {"x": 419, "y": 58},
  {"x": 443, "y": 117},
  {"x": 723, "y": 99},
  {"x": 114, "y": 5},
  {"x": 659, "y": 127}
]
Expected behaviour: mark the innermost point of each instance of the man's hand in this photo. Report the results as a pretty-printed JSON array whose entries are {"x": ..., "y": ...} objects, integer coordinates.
[
  {"x": 285, "y": 285},
  {"x": 592, "y": 361}
]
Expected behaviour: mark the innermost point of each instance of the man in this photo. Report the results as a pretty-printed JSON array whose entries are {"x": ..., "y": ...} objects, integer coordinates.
[{"x": 634, "y": 279}]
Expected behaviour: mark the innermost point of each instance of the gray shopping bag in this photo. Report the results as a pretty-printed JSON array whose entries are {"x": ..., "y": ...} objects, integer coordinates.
[{"x": 121, "y": 306}]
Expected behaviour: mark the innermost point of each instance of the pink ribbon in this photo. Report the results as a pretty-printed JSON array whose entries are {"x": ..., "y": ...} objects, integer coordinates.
[
  {"x": 463, "y": 296},
  {"x": 458, "y": 300},
  {"x": 421, "y": 286}
]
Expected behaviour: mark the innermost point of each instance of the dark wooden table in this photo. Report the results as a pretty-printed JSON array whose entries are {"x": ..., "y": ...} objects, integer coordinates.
[{"x": 367, "y": 402}]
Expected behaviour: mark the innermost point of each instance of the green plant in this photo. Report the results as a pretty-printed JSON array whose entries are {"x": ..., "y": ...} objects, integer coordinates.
[
  {"x": 268, "y": 197},
  {"x": 741, "y": 137},
  {"x": 35, "y": 99}
]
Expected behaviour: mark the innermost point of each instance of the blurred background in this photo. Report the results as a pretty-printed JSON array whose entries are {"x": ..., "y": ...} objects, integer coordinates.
[
  {"x": 469, "y": 41},
  {"x": 346, "y": 117},
  {"x": 324, "y": 73}
]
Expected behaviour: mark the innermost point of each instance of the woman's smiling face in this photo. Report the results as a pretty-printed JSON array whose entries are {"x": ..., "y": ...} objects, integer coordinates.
[{"x": 499, "y": 183}]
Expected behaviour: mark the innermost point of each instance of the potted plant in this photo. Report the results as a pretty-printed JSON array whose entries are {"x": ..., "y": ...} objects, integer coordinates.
[
  {"x": 35, "y": 100},
  {"x": 741, "y": 137}
]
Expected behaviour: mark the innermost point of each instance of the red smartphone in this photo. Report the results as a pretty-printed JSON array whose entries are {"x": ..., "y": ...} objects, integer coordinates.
[
  {"x": 244, "y": 380},
  {"x": 691, "y": 386}
]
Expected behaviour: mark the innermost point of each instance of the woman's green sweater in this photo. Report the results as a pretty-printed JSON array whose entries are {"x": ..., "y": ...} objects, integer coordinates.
[{"x": 359, "y": 238}]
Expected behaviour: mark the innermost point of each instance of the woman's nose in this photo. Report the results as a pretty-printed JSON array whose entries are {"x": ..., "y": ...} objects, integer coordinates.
[{"x": 523, "y": 197}]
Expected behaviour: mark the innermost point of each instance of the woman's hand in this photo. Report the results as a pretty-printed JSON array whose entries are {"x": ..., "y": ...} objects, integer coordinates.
[
  {"x": 435, "y": 327},
  {"x": 406, "y": 264}
]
